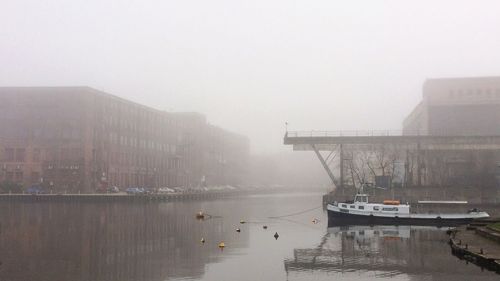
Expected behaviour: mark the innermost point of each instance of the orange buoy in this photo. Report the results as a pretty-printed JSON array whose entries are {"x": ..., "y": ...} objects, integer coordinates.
[{"x": 200, "y": 215}]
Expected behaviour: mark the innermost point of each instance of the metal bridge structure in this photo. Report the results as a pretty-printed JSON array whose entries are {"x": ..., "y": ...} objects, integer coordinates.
[{"x": 331, "y": 146}]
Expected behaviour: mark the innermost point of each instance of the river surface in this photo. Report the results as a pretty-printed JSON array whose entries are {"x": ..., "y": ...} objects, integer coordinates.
[{"x": 162, "y": 241}]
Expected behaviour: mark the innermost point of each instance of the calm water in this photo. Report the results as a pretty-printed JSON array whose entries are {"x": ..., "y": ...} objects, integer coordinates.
[{"x": 149, "y": 242}]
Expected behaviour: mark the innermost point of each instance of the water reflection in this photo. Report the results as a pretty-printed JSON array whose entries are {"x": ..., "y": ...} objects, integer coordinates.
[
  {"x": 161, "y": 241},
  {"x": 107, "y": 242},
  {"x": 417, "y": 252}
]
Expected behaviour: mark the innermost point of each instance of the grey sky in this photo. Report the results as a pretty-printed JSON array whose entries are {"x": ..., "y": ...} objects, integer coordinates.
[{"x": 252, "y": 65}]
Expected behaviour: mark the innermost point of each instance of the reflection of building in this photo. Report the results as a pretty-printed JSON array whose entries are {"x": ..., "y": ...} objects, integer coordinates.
[
  {"x": 381, "y": 251},
  {"x": 77, "y": 139},
  {"x": 108, "y": 242}
]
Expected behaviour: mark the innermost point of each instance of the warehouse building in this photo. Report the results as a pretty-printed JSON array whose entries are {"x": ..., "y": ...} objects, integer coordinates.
[{"x": 78, "y": 139}]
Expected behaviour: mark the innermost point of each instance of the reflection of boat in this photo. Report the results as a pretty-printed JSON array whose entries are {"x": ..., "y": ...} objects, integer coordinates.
[
  {"x": 383, "y": 231},
  {"x": 361, "y": 252},
  {"x": 360, "y": 211}
]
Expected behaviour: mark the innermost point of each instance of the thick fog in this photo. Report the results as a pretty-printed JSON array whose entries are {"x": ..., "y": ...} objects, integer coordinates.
[{"x": 251, "y": 66}]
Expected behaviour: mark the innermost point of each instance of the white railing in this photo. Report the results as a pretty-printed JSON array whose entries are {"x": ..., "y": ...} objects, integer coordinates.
[{"x": 353, "y": 133}]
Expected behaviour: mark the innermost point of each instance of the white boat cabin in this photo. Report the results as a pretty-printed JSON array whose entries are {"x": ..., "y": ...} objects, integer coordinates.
[{"x": 361, "y": 205}]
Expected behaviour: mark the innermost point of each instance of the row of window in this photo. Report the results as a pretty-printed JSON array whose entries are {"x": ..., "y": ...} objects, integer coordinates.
[
  {"x": 19, "y": 154},
  {"x": 375, "y": 208},
  {"x": 488, "y": 93},
  {"x": 134, "y": 159},
  {"x": 141, "y": 180},
  {"x": 141, "y": 143},
  {"x": 18, "y": 176}
]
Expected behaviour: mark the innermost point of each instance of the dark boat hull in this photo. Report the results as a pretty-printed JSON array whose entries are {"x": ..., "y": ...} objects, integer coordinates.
[{"x": 338, "y": 219}]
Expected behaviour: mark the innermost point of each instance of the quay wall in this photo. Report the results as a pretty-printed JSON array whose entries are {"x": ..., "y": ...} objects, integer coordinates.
[{"x": 110, "y": 198}]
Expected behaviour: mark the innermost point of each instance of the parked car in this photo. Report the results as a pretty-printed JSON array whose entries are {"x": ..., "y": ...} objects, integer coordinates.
[
  {"x": 135, "y": 190},
  {"x": 165, "y": 190},
  {"x": 148, "y": 190},
  {"x": 113, "y": 189},
  {"x": 35, "y": 189},
  {"x": 179, "y": 189}
]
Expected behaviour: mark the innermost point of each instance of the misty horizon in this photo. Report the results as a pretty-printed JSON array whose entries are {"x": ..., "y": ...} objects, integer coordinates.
[{"x": 251, "y": 67}]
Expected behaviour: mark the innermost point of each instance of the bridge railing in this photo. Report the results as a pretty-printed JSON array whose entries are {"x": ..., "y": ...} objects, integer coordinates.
[{"x": 354, "y": 133}]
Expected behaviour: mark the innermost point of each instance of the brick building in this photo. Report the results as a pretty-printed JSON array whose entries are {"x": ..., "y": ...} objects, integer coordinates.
[{"x": 78, "y": 139}]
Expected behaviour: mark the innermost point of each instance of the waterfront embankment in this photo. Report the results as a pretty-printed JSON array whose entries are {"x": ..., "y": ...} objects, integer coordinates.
[
  {"x": 151, "y": 197},
  {"x": 478, "y": 243},
  {"x": 120, "y": 197}
]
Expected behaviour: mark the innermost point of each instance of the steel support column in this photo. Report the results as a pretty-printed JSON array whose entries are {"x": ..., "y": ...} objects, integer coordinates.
[
  {"x": 323, "y": 162},
  {"x": 341, "y": 166}
]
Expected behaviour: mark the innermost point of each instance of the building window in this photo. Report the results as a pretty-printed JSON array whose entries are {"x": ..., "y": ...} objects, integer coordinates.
[
  {"x": 19, "y": 176},
  {"x": 36, "y": 154},
  {"x": 9, "y": 154},
  {"x": 20, "y": 154},
  {"x": 35, "y": 177}
]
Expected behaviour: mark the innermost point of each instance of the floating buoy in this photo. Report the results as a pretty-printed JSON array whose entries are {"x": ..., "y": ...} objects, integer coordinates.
[
  {"x": 242, "y": 221},
  {"x": 238, "y": 230},
  {"x": 276, "y": 235},
  {"x": 222, "y": 245},
  {"x": 200, "y": 215},
  {"x": 202, "y": 240},
  {"x": 265, "y": 227}
]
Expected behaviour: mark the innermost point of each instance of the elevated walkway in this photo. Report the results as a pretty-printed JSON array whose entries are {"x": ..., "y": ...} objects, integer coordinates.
[
  {"x": 335, "y": 143},
  {"x": 326, "y": 140}
]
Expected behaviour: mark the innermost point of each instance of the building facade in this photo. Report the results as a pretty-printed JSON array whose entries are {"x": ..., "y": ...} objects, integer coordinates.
[
  {"x": 77, "y": 139},
  {"x": 458, "y": 107}
]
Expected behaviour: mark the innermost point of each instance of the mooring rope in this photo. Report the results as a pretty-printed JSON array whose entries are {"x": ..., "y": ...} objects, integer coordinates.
[{"x": 297, "y": 213}]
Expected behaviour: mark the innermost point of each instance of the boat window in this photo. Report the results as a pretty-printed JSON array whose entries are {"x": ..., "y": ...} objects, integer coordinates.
[
  {"x": 344, "y": 205},
  {"x": 376, "y": 208},
  {"x": 361, "y": 198},
  {"x": 352, "y": 206},
  {"x": 361, "y": 207},
  {"x": 393, "y": 209}
]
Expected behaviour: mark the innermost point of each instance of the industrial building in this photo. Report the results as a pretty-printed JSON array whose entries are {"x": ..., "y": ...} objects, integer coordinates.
[
  {"x": 78, "y": 139},
  {"x": 457, "y": 107},
  {"x": 450, "y": 139}
]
